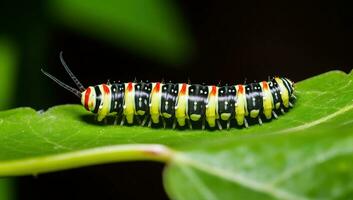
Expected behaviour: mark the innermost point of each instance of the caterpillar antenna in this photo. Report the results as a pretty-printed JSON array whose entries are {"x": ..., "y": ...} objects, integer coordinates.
[
  {"x": 73, "y": 77},
  {"x": 71, "y": 89}
]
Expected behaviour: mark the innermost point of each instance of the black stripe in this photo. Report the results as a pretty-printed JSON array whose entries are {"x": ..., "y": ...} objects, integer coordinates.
[
  {"x": 276, "y": 92},
  {"x": 117, "y": 98},
  {"x": 98, "y": 98},
  {"x": 286, "y": 84},
  {"x": 113, "y": 90}
]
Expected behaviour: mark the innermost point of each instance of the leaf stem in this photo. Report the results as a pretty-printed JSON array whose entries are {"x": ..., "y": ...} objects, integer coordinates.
[{"x": 99, "y": 155}]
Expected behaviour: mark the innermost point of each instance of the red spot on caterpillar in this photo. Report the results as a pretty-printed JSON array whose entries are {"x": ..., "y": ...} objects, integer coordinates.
[
  {"x": 106, "y": 89},
  {"x": 240, "y": 89},
  {"x": 157, "y": 87},
  {"x": 129, "y": 87},
  {"x": 265, "y": 85},
  {"x": 213, "y": 90},
  {"x": 87, "y": 94},
  {"x": 183, "y": 89}
]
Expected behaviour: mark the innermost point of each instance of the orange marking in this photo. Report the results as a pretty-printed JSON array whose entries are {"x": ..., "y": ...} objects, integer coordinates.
[
  {"x": 265, "y": 85},
  {"x": 105, "y": 89},
  {"x": 87, "y": 94},
  {"x": 183, "y": 89},
  {"x": 129, "y": 87},
  {"x": 241, "y": 89},
  {"x": 157, "y": 87},
  {"x": 213, "y": 90}
]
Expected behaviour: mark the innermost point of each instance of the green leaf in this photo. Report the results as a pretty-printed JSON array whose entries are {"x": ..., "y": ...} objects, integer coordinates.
[{"x": 305, "y": 154}]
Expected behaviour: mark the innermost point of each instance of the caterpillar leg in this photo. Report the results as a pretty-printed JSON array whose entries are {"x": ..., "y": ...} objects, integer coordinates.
[
  {"x": 122, "y": 121},
  {"x": 282, "y": 111},
  {"x": 274, "y": 114},
  {"x": 246, "y": 123},
  {"x": 203, "y": 123},
  {"x": 260, "y": 121},
  {"x": 164, "y": 123},
  {"x": 115, "y": 120},
  {"x": 144, "y": 120},
  {"x": 174, "y": 123},
  {"x": 219, "y": 124},
  {"x": 189, "y": 122},
  {"x": 150, "y": 122},
  {"x": 228, "y": 124},
  {"x": 138, "y": 119},
  {"x": 290, "y": 104}
]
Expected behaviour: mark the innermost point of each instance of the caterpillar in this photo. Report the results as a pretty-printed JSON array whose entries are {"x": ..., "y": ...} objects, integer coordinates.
[{"x": 182, "y": 103}]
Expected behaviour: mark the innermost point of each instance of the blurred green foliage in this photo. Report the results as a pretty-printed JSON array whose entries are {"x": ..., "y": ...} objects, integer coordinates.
[
  {"x": 151, "y": 27},
  {"x": 8, "y": 69},
  {"x": 7, "y": 189}
]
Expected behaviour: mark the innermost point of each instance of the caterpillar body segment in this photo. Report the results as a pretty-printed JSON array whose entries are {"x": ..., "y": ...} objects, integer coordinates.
[
  {"x": 267, "y": 100},
  {"x": 212, "y": 106},
  {"x": 240, "y": 105},
  {"x": 185, "y": 104},
  {"x": 129, "y": 103},
  {"x": 155, "y": 103},
  {"x": 181, "y": 106}
]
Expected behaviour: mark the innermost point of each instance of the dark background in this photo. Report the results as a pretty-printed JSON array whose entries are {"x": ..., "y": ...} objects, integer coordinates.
[{"x": 232, "y": 41}]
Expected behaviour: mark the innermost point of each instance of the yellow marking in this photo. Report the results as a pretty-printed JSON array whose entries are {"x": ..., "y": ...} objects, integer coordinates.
[
  {"x": 155, "y": 103},
  {"x": 195, "y": 117},
  {"x": 267, "y": 100},
  {"x": 166, "y": 115},
  {"x": 254, "y": 113},
  {"x": 284, "y": 92},
  {"x": 129, "y": 106},
  {"x": 181, "y": 107},
  {"x": 225, "y": 116},
  {"x": 277, "y": 105},
  {"x": 140, "y": 112},
  {"x": 212, "y": 106},
  {"x": 104, "y": 108},
  {"x": 240, "y": 106}
]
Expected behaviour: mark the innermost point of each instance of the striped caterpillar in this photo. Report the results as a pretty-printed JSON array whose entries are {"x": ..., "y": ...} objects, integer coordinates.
[{"x": 181, "y": 103}]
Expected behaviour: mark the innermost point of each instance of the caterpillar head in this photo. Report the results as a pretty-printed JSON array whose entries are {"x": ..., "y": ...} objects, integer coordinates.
[{"x": 88, "y": 99}]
